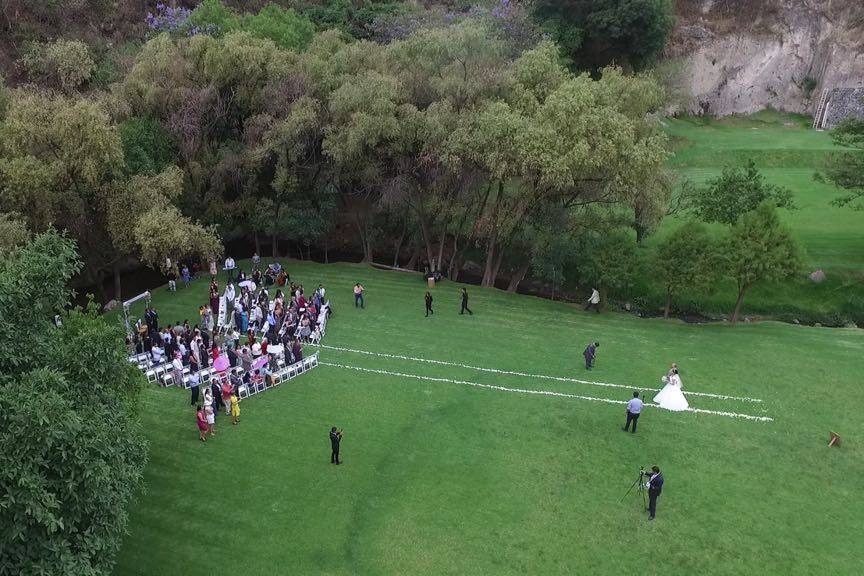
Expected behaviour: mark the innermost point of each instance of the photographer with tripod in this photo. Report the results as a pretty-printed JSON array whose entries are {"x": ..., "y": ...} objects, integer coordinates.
[{"x": 654, "y": 485}]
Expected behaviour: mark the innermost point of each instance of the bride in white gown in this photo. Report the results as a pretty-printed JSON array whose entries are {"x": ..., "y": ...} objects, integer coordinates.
[{"x": 671, "y": 397}]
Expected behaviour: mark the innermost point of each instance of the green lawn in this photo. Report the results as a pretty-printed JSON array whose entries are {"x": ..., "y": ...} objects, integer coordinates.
[
  {"x": 789, "y": 153},
  {"x": 447, "y": 478}
]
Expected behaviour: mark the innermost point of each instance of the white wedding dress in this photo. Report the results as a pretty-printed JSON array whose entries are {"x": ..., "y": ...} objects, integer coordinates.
[{"x": 671, "y": 397}]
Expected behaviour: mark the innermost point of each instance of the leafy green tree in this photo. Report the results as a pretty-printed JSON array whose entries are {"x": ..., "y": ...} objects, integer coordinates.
[
  {"x": 597, "y": 33},
  {"x": 13, "y": 232},
  {"x": 71, "y": 452},
  {"x": 738, "y": 191},
  {"x": 58, "y": 155},
  {"x": 610, "y": 262},
  {"x": 147, "y": 147},
  {"x": 686, "y": 259},
  {"x": 286, "y": 28},
  {"x": 760, "y": 249},
  {"x": 63, "y": 64},
  {"x": 846, "y": 169}
]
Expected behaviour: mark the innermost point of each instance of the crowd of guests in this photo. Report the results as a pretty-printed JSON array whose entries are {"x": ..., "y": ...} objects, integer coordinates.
[{"x": 255, "y": 324}]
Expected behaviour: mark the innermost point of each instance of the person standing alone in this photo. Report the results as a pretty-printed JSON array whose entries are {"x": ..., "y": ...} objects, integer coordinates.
[
  {"x": 590, "y": 354},
  {"x": 429, "y": 304},
  {"x": 465, "y": 303},
  {"x": 358, "y": 295},
  {"x": 335, "y": 439},
  {"x": 655, "y": 487},
  {"x": 634, "y": 408}
]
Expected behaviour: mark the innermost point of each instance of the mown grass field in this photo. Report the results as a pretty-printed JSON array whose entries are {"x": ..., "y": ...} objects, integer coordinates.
[
  {"x": 789, "y": 153},
  {"x": 448, "y": 478}
]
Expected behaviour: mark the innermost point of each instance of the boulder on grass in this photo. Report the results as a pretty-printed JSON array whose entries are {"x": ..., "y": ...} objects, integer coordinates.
[{"x": 817, "y": 276}]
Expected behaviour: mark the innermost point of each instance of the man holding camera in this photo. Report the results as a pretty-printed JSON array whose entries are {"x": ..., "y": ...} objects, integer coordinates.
[
  {"x": 335, "y": 439},
  {"x": 655, "y": 487}
]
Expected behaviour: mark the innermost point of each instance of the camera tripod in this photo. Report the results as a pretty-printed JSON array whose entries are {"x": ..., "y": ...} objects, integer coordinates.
[{"x": 639, "y": 484}]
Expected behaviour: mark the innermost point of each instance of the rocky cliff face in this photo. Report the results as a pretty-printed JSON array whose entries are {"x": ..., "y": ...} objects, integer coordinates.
[{"x": 741, "y": 59}]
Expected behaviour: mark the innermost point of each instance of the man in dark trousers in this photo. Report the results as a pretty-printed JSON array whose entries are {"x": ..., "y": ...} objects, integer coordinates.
[
  {"x": 634, "y": 408},
  {"x": 655, "y": 487},
  {"x": 335, "y": 439},
  {"x": 590, "y": 353},
  {"x": 429, "y": 304},
  {"x": 465, "y": 303}
]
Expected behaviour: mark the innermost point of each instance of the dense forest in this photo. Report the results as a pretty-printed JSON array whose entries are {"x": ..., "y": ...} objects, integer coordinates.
[{"x": 409, "y": 134}]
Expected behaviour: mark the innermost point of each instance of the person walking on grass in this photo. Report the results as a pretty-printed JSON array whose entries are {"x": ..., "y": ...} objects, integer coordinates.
[
  {"x": 590, "y": 355},
  {"x": 235, "y": 409},
  {"x": 634, "y": 408},
  {"x": 465, "y": 303},
  {"x": 593, "y": 301},
  {"x": 201, "y": 421},
  {"x": 358, "y": 295},
  {"x": 429, "y": 304}
]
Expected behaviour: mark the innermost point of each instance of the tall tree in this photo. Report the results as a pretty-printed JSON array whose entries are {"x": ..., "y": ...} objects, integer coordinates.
[
  {"x": 846, "y": 169},
  {"x": 686, "y": 259},
  {"x": 597, "y": 33},
  {"x": 735, "y": 192},
  {"x": 760, "y": 249},
  {"x": 71, "y": 451}
]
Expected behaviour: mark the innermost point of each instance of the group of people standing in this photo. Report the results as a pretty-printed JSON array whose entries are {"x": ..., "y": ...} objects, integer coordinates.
[
  {"x": 671, "y": 397},
  {"x": 230, "y": 325}
]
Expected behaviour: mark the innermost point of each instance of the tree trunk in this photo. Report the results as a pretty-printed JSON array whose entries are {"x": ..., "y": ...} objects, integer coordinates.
[
  {"x": 668, "y": 304},
  {"x": 498, "y": 258},
  {"x": 490, "y": 262},
  {"x": 438, "y": 262},
  {"x": 398, "y": 249},
  {"x": 427, "y": 241},
  {"x": 414, "y": 257},
  {"x": 518, "y": 276},
  {"x": 257, "y": 244},
  {"x": 740, "y": 301},
  {"x": 362, "y": 232},
  {"x": 493, "y": 239},
  {"x": 118, "y": 295},
  {"x": 326, "y": 254},
  {"x": 275, "y": 246}
]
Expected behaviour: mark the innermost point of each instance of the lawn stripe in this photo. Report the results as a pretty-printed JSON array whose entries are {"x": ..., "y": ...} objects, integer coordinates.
[
  {"x": 528, "y": 375},
  {"x": 536, "y": 392}
]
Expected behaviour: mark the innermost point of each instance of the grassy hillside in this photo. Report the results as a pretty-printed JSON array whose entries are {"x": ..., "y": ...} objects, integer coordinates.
[
  {"x": 445, "y": 476},
  {"x": 789, "y": 153}
]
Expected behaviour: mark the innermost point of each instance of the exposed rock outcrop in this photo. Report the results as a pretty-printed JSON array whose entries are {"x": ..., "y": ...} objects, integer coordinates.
[{"x": 782, "y": 59}]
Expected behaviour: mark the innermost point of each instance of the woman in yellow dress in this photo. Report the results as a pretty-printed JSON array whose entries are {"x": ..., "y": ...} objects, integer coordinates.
[{"x": 235, "y": 409}]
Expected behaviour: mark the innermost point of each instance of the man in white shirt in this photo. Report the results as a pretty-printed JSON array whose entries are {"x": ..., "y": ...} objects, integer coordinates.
[
  {"x": 634, "y": 408},
  {"x": 594, "y": 300},
  {"x": 229, "y": 267}
]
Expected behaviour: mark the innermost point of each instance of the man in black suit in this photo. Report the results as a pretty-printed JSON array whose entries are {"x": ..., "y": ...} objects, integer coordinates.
[
  {"x": 655, "y": 487},
  {"x": 335, "y": 439},
  {"x": 590, "y": 354},
  {"x": 465, "y": 303}
]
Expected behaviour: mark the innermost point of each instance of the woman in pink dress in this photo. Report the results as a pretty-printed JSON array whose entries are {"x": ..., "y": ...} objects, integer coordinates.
[{"x": 201, "y": 420}]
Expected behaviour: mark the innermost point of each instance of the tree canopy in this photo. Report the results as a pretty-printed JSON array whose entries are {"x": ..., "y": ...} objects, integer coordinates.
[
  {"x": 596, "y": 33},
  {"x": 71, "y": 451}
]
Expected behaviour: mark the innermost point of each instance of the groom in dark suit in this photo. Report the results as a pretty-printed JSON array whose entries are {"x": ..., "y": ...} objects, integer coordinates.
[{"x": 655, "y": 487}]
